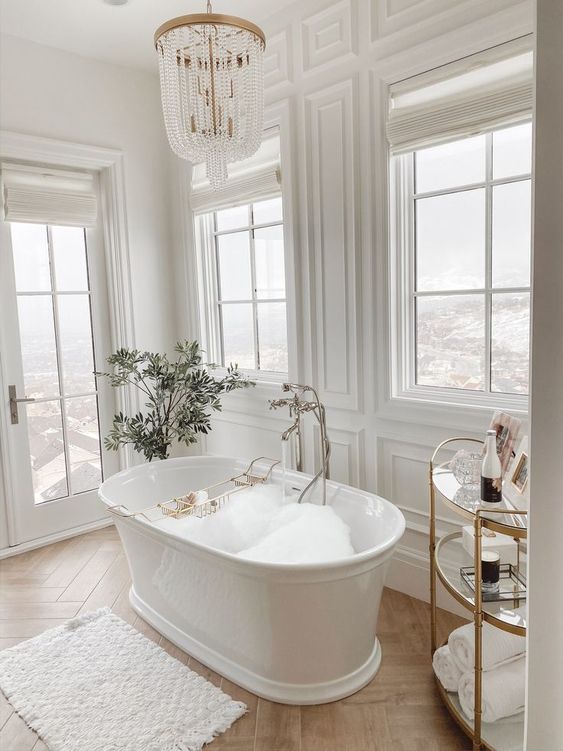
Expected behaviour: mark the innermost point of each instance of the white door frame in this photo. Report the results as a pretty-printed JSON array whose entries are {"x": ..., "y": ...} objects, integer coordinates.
[{"x": 108, "y": 163}]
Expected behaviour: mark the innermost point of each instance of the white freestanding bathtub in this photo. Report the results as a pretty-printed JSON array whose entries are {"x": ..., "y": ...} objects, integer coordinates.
[{"x": 291, "y": 633}]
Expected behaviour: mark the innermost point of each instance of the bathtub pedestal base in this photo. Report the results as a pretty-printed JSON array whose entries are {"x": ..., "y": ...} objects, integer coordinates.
[{"x": 284, "y": 693}]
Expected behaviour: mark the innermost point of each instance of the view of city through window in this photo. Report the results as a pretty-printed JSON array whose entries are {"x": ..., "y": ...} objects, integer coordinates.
[
  {"x": 251, "y": 285},
  {"x": 472, "y": 212},
  {"x": 55, "y": 329}
]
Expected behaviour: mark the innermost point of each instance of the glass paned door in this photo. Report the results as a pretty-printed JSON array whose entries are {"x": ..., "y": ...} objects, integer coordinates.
[{"x": 53, "y": 331}]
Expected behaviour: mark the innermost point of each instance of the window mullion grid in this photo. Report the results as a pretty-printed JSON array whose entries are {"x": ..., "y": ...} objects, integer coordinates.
[
  {"x": 469, "y": 291},
  {"x": 215, "y": 241},
  {"x": 411, "y": 273},
  {"x": 253, "y": 287},
  {"x": 43, "y": 399},
  {"x": 245, "y": 228},
  {"x": 96, "y": 392},
  {"x": 62, "y": 400},
  {"x": 210, "y": 271},
  {"x": 488, "y": 260},
  {"x": 261, "y": 301},
  {"x": 474, "y": 186},
  {"x": 62, "y": 293},
  {"x": 91, "y": 318}
]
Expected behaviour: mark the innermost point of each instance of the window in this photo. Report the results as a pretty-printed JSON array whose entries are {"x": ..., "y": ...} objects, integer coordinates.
[
  {"x": 55, "y": 328},
  {"x": 463, "y": 270},
  {"x": 244, "y": 258}
]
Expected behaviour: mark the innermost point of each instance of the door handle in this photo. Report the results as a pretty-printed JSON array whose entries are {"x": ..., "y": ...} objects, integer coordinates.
[{"x": 14, "y": 401}]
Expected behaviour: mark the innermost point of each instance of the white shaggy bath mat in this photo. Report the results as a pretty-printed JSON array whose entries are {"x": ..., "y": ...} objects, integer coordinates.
[{"x": 96, "y": 684}]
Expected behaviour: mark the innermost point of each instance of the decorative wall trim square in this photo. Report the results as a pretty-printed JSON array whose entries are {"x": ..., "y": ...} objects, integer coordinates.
[{"x": 329, "y": 36}]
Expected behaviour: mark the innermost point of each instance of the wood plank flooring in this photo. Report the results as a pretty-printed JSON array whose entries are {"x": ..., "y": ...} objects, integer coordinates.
[{"x": 398, "y": 711}]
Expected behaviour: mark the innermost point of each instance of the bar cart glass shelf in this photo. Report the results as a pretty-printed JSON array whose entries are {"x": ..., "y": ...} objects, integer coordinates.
[{"x": 501, "y": 612}]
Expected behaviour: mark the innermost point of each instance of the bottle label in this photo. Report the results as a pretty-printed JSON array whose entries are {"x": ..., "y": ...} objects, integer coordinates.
[{"x": 491, "y": 489}]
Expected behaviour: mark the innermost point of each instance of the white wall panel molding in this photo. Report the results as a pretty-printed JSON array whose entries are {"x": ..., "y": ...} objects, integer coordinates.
[
  {"x": 278, "y": 61},
  {"x": 418, "y": 521},
  {"x": 468, "y": 420},
  {"x": 331, "y": 116},
  {"x": 414, "y": 434},
  {"x": 403, "y": 473},
  {"x": 330, "y": 35},
  {"x": 233, "y": 437},
  {"x": 281, "y": 114},
  {"x": 375, "y": 278},
  {"x": 391, "y": 16},
  {"x": 464, "y": 29},
  {"x": 347, "y": 455},
  {"x": 185, "y": 260},
  {"x": 408, "y": 22},
  {"x": 303, "y": 256},
  {"x": 254, "y": 402},
  {"x": 263, "y": 422}
]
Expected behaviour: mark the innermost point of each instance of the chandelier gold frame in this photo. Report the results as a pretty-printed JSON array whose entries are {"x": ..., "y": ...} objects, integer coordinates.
[{"x": 219, "y": 19}]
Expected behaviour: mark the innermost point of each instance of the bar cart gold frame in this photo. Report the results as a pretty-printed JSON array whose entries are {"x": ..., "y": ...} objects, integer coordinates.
[{"x": 479, "y": 522}]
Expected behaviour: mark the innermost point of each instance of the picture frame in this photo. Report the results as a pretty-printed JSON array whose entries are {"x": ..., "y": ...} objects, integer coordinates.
[
  {"x": 516, "y": 488},
  {"x": 519, "y": 475},
  {"x": 507, "y": 429}
]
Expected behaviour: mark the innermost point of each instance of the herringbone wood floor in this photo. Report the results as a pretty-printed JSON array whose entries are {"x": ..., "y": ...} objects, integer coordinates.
[{"x": 398, "y": 711}]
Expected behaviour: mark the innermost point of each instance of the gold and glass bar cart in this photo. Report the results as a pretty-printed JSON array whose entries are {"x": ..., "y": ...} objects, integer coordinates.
[{"x": 500, "y": 613}]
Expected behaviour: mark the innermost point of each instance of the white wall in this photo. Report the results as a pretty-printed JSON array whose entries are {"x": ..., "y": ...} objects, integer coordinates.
[
  {"x": 328, "y": 63},
  {"x": 545, "y": 645},
  {"x": 55, "y": 94}
]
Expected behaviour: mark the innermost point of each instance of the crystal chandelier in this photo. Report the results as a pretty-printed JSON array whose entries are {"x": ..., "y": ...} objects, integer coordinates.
[{"x": 212, "y": 85}]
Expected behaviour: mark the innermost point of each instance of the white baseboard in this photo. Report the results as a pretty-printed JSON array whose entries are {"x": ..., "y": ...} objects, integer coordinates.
[
  {"x": 409, "y": 572},
  {"x": 56, "y": 537}
]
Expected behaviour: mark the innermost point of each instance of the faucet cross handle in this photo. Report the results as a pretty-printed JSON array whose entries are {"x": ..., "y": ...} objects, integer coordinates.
[{"x": 275, "y": 403}]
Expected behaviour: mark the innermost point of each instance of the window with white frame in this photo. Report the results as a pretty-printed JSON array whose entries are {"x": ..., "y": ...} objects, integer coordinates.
[
  {"x": 468, "y": 254},
  {"x": 461, "y": 232},
  {"x": 244, "y": 258}
]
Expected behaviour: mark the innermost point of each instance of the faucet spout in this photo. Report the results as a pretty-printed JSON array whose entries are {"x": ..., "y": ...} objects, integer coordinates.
[{"x": 292, "y": 428}]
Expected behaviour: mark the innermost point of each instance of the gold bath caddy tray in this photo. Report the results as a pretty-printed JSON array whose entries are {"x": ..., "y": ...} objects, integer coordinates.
[{"x": 206, "y": 501}]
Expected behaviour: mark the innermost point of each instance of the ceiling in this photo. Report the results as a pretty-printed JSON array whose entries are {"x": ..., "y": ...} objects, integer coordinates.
[{"x": 121, "y": 34}]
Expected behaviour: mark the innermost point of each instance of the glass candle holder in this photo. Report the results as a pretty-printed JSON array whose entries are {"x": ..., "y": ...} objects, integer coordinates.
[
  {"x": 490, "y": 570},
  {"x": 466, "y": 467}
]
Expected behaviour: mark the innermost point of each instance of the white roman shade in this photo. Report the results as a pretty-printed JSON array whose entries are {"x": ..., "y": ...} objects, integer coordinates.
[
  {"x": 42, "y": 195},
  {"x": 479, "y": 93},
  {"x": 255, "y": 178}
]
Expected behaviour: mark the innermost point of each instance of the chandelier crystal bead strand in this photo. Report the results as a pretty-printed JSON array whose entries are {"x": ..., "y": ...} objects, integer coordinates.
[{"x": 212, "y": 85}]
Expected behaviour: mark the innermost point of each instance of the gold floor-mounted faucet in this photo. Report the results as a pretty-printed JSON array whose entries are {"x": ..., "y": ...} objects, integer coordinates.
[{"x": 297, "y": 407}]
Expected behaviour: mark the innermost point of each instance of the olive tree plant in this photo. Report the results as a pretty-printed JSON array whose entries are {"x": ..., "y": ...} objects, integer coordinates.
[{"x": 180, "y": 397}]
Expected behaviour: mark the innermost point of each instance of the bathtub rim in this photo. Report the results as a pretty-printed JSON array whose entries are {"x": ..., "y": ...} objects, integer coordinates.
[
  {"x": 296, "y": 694},
  {"x": 350, "y": 562},
  {"x": 280, "y": 573}
]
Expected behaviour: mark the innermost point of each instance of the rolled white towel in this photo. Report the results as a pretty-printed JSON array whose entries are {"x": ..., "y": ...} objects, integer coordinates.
[
  {"x": 498, "y": 646},
  {"x": 503, "y": 692},
  {"x": 445, "y": 668}
]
